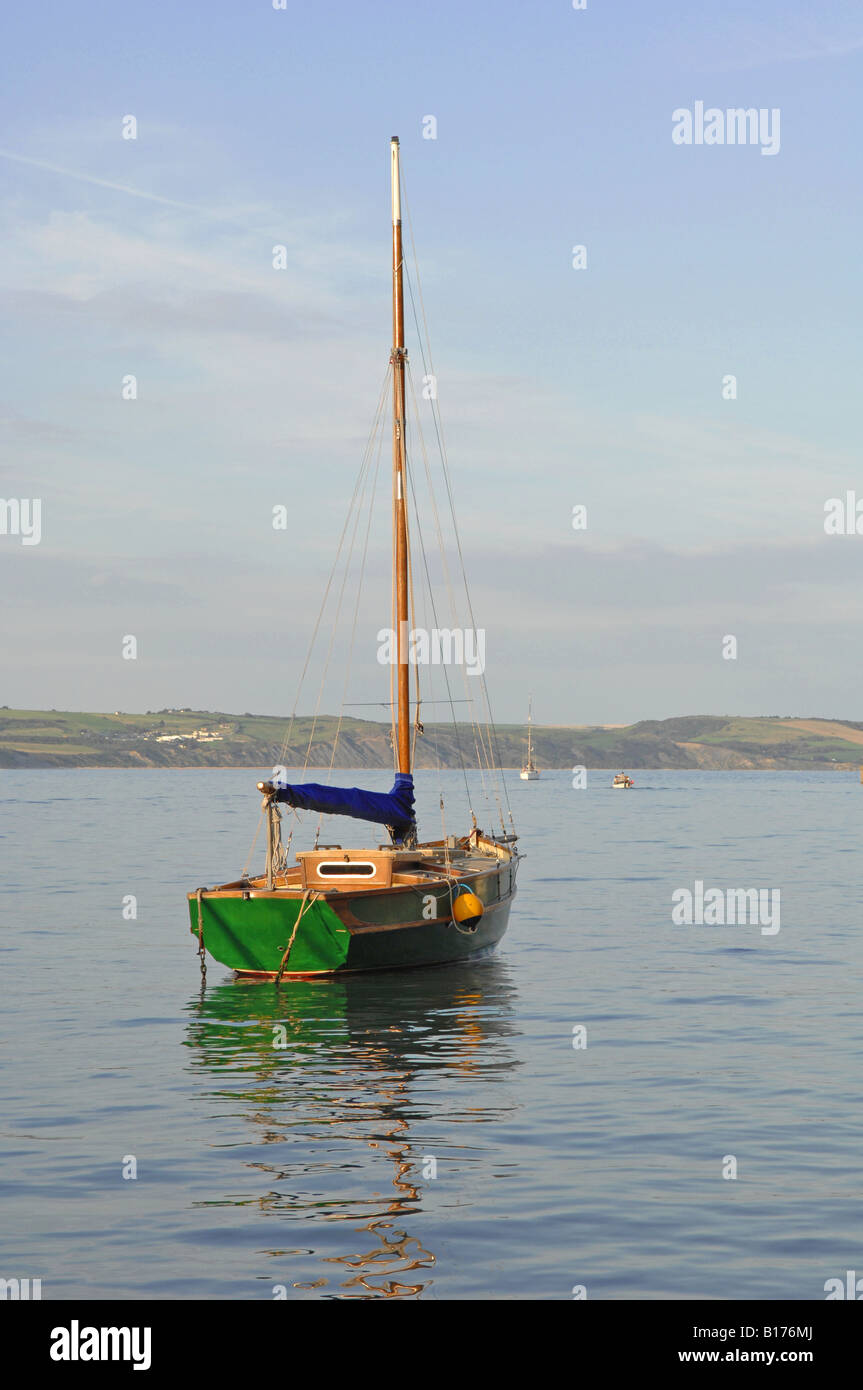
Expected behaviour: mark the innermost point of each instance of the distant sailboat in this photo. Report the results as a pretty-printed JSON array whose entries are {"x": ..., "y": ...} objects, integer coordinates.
[
  {"x": 530, "y": 771},
  {"x": 406, "y": 903},
  {"x": 622, "y": 780}
]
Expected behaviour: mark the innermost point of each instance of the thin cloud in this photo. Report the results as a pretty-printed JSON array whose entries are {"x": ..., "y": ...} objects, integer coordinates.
[{"x": 104, "y": 183}]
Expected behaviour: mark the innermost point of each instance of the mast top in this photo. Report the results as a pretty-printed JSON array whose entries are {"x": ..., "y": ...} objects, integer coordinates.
[{"x": 397, "y": 204}]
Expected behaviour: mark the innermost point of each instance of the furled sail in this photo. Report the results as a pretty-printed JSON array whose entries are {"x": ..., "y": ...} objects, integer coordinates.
[{"x": 394, "y": 808}]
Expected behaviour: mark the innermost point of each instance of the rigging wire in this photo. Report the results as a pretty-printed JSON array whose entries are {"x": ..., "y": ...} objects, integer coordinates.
[
  {"x": 340, "y": 600},
  {"x": 438, "y": 424},
  {"x": 452, "y": 602},
  {"x": 430, "y": 590},
  {"x": 350, "y": 653},
  {"x": 315, "y": 630},
  {"x": 358, "y": 485},
  {"x": 477, "y": 731}
]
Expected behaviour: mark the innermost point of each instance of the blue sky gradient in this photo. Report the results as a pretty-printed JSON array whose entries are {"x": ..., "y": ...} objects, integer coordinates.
[{"x": 602, "y": 386}]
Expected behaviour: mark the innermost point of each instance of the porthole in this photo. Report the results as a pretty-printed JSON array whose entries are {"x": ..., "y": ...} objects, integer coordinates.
[{"x": 356, "y": 868}]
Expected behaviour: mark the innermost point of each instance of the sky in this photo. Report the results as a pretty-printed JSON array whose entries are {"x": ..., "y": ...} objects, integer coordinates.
[{"x": 599, "y": 386}]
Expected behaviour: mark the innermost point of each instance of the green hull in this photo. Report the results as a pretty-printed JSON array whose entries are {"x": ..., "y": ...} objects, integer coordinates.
[{"x": 250, "y": 933}]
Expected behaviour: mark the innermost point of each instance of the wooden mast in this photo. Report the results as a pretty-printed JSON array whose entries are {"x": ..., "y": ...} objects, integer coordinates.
[{"x": 400, "y": 528}]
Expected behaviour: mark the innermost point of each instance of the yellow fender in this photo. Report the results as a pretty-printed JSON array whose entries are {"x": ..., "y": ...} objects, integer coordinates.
[{"x": 467, "y": 909}]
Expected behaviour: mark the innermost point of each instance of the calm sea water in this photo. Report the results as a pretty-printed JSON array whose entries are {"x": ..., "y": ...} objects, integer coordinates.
[{"x": 435, "y": 1134}]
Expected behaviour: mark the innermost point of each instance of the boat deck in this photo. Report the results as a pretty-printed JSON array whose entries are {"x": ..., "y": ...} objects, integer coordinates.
[{"x": 385, "y": 867}]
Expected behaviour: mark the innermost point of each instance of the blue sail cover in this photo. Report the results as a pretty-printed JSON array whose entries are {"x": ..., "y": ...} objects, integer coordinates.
[{"x": 394, "y": 808}]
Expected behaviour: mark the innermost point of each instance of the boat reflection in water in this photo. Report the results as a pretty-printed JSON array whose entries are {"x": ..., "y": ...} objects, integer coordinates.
[{"x": 339, "y": 1073}]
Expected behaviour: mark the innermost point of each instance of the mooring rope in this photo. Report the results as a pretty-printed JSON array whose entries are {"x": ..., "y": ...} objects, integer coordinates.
[{"x": 309, "y": 897}]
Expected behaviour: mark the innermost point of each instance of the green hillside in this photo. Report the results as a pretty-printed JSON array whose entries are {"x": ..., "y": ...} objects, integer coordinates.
[{"x": 203, "y": 738}]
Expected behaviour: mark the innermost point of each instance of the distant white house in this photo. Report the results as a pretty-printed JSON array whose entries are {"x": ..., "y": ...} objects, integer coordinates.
[{"x": 199, "y": 735}]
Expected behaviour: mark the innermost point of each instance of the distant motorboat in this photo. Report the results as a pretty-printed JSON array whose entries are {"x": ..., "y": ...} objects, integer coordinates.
[{"x": 622, "y": 779}]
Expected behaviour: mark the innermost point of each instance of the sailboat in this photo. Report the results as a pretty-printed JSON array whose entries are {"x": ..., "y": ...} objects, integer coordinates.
[
  {"x": 530, "y": 771},
  {"x": 407, "y": 902}
]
